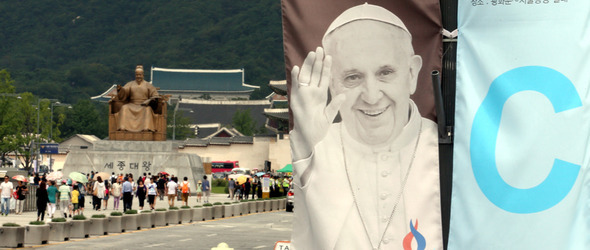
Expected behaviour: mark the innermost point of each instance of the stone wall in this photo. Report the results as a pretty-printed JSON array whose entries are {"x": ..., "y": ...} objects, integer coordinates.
[
  {"x": 136, "y": 158},
  {"x": 250, "y": 156}
]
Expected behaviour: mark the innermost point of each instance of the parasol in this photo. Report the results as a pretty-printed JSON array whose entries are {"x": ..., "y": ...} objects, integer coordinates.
[
  {"x": 242, "y": 179},
  {"x": 287, "y": 169},
  {"x": 20, "y": 178},
  {"x": 55, "y": 176},
  {"x": 103, "y": 175},
  {"x": 163, "y": 173},
  {"x": 79, "y": 177}
]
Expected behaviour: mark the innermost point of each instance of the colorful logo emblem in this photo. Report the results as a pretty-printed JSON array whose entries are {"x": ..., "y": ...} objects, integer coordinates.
[{"x": 414, "y": 234}]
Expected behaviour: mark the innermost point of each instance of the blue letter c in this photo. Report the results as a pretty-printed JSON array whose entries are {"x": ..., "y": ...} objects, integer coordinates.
[{"x": 484, "y": 132}]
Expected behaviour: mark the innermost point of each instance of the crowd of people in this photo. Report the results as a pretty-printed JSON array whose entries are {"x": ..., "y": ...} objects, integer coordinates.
[
  {"x": 71, "y": 196},
  {"x": 242, "y": 190}
]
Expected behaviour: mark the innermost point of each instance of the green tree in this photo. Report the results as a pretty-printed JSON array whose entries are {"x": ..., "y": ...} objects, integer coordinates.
[
  {"x": 243, "y": 122},
  {"x": 9, "y": 122},
  {"x": 183, "y": 129},
  {"x": 85, "y": 117},
  {"x": 6, "y": 82},
  {"x": 26, "y": 137}
]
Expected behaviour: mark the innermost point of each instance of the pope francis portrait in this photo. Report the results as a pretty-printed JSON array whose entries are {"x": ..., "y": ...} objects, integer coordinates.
[{"x": 361, "y": 150}]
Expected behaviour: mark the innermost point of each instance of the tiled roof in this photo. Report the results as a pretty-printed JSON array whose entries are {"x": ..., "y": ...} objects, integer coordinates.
[
  {"x": 222, "y": 112},
  {"x": 105, "y": 96},
  {"x": 279, "y": 87},
  {"x": 200, "y": 80},
  {"x": 282, "y": 114},
  {"x": 205, "y": 132},
  {"x": 224, "y": 141},
  {"x": 243, "y": 139},
  {"x": 196, "y": 142},
  {"x": 220, "y": 141}
]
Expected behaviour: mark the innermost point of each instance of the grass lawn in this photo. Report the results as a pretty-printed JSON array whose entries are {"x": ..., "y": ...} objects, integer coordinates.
[{"x": 218, "y": 190}]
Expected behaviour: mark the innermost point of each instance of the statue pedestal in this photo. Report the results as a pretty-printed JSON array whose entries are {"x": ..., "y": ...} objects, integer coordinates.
[
  {"x": 135, "y": 157},
  {"x": 136, "y": 136}
]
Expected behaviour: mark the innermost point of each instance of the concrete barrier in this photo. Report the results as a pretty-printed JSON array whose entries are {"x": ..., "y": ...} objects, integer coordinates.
[
  {"x": 115, "y": 224},
  {"x": 197, "y": 213},
  {"x": 207, "y": 213},
  {"x": 129, "y": 222},
  {"x": 146, "y": 219},
  {"x": 59, "y": 231},
  {"x": 252, "y": 207},
  {"x": 98, "y": 226},
  {"x": 259, "y": 206},
  {"x": 79, "y": 228},
  {"x": 217, "y": 211},
  {"x": 186, "y": 215},
  {"x": 173, "y": 217},
  {"x": 12, "y": 236},
  {"x": 244, "y": 206},
  {"x": 228, "y": 210},
  {"x": 161, "y": 218},
  {"x": 36, "y": 234}
]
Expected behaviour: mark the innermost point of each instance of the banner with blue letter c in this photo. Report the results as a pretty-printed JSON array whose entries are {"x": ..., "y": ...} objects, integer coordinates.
[{"x": 522, "y": 142}]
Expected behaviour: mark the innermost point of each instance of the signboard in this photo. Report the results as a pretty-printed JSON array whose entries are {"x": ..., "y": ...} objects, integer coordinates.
[
  {"x": 360, "y": 94},
  {"x": 283, "y": 245},
  {"x": 49, "y": 148},
  {"x": 266, "y": 183}
]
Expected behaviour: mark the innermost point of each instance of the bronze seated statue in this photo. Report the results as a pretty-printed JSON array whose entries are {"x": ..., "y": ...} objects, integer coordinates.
[{"x": 137, "y": 112}]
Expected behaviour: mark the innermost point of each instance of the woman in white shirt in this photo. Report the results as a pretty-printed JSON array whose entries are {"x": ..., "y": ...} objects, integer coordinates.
[
  {"x": 99, "y": 188},
  {"x": 151, "y": 193},
  {"x": 116, "y": 193}
]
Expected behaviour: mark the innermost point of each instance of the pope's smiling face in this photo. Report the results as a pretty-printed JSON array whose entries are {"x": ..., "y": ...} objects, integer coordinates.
[{"x": 375, "y": 67}]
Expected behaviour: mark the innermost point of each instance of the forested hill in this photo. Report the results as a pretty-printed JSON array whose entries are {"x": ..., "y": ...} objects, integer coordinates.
[{"x": 76, "y": 49}]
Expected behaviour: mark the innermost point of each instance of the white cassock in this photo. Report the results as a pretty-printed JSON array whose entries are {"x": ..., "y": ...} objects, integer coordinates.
[{"x": 326, "y": 214}]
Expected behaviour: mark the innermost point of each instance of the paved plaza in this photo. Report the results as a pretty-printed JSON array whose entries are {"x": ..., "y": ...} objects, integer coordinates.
[
  {"x": 26, "y": 217},
  {"x": 254, "y": 231}
]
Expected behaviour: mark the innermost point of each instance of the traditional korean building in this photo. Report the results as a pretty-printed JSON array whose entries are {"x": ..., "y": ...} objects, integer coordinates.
[
  {"x": 278, "y": 112},
  {"x": 196, "y": 84},
  {"x": 202, "y": 84}
]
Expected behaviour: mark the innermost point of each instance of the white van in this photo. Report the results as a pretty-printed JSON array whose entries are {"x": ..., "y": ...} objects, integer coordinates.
[{"x": 240, "y": 171}]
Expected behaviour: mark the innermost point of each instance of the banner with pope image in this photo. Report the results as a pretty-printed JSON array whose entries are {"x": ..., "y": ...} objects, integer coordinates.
[
  {"x": 363, "y": 141},
  {"x": 522, "y": 126}
]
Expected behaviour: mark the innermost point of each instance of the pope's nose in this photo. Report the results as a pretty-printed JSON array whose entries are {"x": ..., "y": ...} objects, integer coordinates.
[{"x": 371, "y": 92}]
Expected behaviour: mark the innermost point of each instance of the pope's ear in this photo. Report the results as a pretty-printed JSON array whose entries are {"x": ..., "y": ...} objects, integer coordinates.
[{"x": 415, "y": 66}]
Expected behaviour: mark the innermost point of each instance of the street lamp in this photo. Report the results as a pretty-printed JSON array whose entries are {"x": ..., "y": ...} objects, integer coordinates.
[
  {"x": 38, "y": 133},
  {"x": 38, "y": 137},
  {"x": 57, "y": 103},
  {"x": 174, "y": 126}
]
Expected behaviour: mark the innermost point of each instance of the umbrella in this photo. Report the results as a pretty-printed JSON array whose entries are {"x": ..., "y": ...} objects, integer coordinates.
[
  {"x": 163, "y": 173},
  {"x": 242, "y": 179},
  {"x": 19, "y": 178},
  {"x": 259, "y": 174},
  {"x": 233, "y": 176},
  {"x": 55, "y": 175},
  {"x": 103, "y": 175},
  {"x": 287, "y": 169},
  {"x": 79, "y": 177}
]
